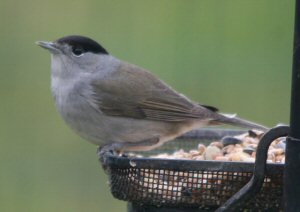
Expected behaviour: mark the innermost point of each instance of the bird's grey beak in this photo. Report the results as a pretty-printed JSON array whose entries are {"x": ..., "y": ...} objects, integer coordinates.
[{"x": 52, "y": 47}]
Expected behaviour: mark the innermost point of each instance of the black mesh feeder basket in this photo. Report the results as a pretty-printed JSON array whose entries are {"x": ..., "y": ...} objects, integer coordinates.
[{"x": 154, "y": 184}]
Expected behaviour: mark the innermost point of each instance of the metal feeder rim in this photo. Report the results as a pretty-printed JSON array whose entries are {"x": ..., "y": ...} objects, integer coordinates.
[{"x": 185, "y": 165}]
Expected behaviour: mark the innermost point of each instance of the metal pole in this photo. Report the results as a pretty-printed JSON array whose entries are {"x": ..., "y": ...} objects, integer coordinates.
[{"x": 292, "y": 164}]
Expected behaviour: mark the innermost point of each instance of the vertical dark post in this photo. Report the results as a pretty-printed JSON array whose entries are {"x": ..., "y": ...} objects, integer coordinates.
[{"x": 292, "y": 164}]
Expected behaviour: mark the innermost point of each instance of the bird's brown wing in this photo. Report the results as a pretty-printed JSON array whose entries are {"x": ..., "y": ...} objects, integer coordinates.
[{"x": 133, "y": 92}]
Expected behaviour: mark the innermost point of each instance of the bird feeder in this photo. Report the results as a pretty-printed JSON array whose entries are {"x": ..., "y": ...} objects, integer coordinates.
[{"x": 151, "y": 184}]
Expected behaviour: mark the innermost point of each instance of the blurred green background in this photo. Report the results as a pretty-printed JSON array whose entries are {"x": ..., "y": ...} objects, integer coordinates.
[{"x": 233, "y": 54}]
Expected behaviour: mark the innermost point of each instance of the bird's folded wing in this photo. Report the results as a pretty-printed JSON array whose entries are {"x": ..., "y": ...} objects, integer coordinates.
[{"x": 138, "y": 94}]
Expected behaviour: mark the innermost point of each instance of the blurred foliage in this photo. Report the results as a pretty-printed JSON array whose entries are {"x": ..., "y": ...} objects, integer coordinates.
[{"x": 232, "y": 54}]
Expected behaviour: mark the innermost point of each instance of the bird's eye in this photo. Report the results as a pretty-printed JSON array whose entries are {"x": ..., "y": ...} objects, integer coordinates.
[{"x": 78, "y": 51}]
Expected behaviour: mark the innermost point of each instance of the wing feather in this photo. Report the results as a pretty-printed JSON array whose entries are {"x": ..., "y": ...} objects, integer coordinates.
[{"x": 133, "y": 92}]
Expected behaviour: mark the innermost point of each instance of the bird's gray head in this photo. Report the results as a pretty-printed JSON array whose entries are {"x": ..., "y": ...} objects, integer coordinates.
[{"x": 73, "y": 53}]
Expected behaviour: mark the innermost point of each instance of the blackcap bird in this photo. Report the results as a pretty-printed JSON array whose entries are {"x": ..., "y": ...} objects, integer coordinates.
[{"x": 112, "y": 103}]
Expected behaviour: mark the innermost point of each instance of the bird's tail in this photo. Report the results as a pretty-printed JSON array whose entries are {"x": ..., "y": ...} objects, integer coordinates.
[{"x": 238, "y": 122}]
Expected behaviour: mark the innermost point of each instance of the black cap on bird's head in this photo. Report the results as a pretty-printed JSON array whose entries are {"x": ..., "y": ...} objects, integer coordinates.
[{"x": 81, "y": 44}]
